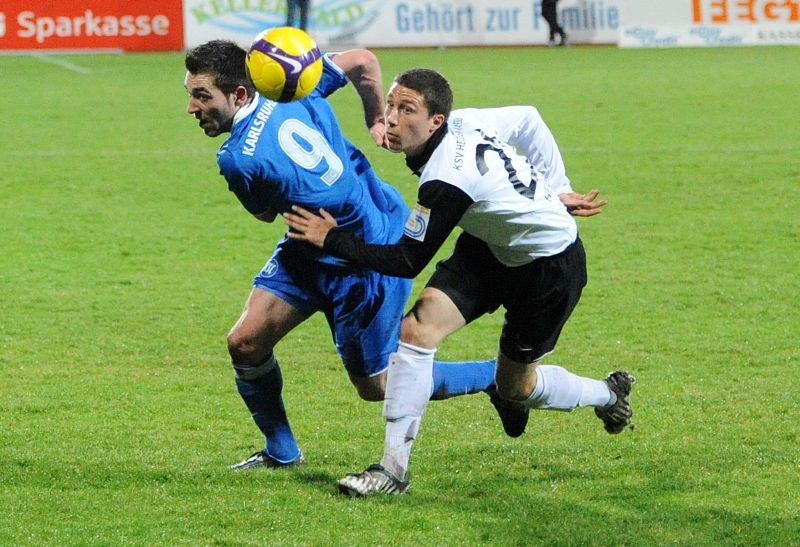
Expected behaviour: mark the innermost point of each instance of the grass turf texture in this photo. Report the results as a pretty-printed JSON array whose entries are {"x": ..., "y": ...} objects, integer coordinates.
[{"x": 125, "y": 261}]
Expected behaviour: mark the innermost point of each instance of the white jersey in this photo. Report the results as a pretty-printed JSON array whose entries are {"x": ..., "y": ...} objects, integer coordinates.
[{"x": 506, "y": 160}]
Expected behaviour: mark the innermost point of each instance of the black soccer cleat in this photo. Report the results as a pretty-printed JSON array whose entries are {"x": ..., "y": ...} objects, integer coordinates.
[
  {"x": 514, "y": 416},
  {"x": 617, "y": 416}
]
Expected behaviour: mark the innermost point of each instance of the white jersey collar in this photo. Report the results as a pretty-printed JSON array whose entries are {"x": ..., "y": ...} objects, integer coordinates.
[{"x": 247, "y": 109}]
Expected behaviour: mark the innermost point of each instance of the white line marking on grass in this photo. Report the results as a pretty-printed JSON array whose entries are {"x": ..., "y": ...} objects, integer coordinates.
[{"x": 64, "y": 64}]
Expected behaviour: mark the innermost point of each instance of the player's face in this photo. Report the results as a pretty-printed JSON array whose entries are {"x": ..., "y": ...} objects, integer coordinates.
[
  {"x": 209, "y": 105},
  {"x": 408, "y": 123}
]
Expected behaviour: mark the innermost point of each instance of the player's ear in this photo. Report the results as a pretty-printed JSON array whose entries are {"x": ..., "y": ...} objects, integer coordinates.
[
  {"x": 436, "y": 122},
  {"x": 242, "y": 96}
]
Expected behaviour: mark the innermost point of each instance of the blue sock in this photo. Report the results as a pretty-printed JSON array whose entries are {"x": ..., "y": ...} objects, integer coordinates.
[
  {"x": 263, "y": 398},
  {"x": 461, "y": 378}
]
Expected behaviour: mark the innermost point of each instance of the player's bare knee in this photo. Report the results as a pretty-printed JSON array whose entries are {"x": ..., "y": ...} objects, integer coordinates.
[
  {"x": 409, "y": 330},
  {"x": 244, "y": 349},
  {"x": 370, "y": 394},
  {"x": 370, "y": 389},
  {"x": 413, "y": 333},
  {"x": 432, "y": 319}
]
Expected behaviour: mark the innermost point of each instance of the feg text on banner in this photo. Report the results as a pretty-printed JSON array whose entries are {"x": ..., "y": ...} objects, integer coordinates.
[
  {"x": 144, "y": 25},
  {"x": 704, "y": 23}
]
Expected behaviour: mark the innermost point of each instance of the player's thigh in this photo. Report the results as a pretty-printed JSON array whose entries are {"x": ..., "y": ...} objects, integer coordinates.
[
  {"x": 265, "y": 320},
  {"x": 469, "y": 277},
  {"x": 284, "y": 294},
  {"x": 433, "y": 318},
  {"x": 463, "y": 288}
]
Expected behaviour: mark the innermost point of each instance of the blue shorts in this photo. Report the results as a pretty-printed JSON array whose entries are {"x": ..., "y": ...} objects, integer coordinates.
[{"x": 363, "y": 308}]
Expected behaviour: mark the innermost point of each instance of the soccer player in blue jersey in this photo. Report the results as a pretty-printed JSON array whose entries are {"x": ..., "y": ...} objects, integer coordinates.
[{"x": 282, "y": 154}]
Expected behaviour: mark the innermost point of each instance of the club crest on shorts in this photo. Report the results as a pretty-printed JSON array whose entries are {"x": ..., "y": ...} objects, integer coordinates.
[
  {"x": 417, "y": 223},
  {"x": 270, "y": 268}
]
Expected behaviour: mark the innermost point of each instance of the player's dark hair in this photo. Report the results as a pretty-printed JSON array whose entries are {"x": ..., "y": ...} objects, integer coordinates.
[
  {"x": 224, "y": 60},
  {"x": 433, "y": 87}
]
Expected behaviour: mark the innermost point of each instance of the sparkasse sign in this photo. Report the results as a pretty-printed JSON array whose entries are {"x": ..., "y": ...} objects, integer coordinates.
[{"x": 144, "y": 25}]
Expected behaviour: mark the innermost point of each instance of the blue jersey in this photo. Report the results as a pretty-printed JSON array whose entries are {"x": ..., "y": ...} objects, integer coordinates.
[{"x": 284, "y": 154}]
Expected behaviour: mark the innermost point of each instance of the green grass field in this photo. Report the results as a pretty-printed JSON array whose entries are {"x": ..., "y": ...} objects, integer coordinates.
[{"x": 125, "y": 260}]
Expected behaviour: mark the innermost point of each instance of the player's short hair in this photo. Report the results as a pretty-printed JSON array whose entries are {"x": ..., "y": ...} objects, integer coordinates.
[
  {"x": 224, "y": 60},
  {"x": 433, "y": 87}
]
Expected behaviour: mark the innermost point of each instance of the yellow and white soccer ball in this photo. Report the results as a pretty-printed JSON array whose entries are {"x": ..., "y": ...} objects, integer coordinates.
[{"x": 284, "y": 63}]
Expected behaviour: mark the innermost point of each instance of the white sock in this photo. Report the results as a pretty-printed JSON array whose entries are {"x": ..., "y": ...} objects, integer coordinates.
[
  {"x": 408, "y": 390},
  {"x": 398, "y": 441},
  {"x": 559, "y": 389}
]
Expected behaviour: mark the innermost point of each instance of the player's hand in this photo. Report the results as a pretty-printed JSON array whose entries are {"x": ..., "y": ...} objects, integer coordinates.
[
  {"x": 378, "y": 132},
  {"x": 306, "y": 226},
  {"x": 583, "y": 205}
]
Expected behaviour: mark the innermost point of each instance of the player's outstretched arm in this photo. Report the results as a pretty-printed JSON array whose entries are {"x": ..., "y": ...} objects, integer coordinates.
[
  {"x": 364, "y": 71},
  {"x": 583, "y": 205},
  {"x": 308, "y": 227}
]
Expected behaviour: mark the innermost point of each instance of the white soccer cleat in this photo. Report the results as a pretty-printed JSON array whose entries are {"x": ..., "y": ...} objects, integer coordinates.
[{"x": 375, "y": 480}]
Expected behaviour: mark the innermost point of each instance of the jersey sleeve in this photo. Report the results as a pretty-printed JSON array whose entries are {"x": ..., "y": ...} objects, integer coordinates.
[
  {"x": 253, "y": 192},
  {"x": 438, "y": 211},
  {"x": 524, "y": 128},
  {"x": 333, "y": 77}
]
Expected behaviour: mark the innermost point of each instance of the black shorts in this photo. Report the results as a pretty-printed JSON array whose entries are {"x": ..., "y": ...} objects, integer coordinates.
[{"x": 538, "y": 298}]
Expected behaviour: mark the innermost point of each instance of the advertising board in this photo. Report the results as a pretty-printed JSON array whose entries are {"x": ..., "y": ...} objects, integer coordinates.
[
  {"x": 144, "y": 25},
  {"x": 701, "y": 23},
  {"x": 163, "y": 25},
  {"x": 409, "y": 23}
]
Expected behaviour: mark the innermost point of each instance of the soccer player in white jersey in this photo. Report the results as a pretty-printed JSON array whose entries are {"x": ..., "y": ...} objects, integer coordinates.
[
  {"x": 278, "y": 154},
  {"x": 498, "y": 174}
]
